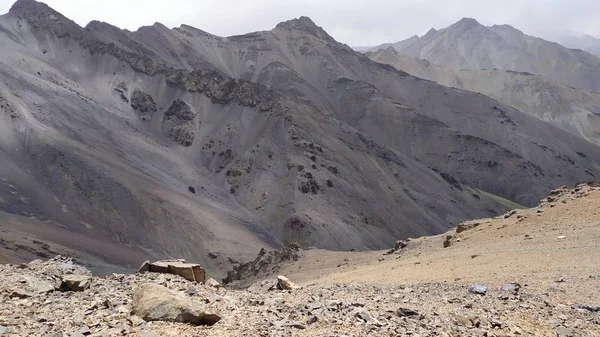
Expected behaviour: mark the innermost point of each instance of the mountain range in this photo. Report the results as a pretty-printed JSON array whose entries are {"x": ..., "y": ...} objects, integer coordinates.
[
  {"x": 469, "y": 45},
  {"x": 163, "y": 142}
]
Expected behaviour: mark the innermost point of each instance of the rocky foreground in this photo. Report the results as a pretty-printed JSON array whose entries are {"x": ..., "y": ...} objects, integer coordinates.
[
  {"x": 533, "y": 272},
  {"x": 59, "y": 298}
]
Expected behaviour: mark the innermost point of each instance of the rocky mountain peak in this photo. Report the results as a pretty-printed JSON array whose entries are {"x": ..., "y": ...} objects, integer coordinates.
[
  {"x": 42, "y": 17},
  {"x": 306, "y": 25},
  {"x": 303, "y": 23},
  {"x": 430, "y": 33},
  {"x": 467, "y": 23},
  {"x": 32, "y": 9}
]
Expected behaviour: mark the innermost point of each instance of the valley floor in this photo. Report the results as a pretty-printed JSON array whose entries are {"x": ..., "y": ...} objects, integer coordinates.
[{"x": 547, "y": 256}]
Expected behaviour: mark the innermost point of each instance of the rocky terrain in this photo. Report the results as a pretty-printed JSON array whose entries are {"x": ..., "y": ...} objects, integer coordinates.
[
  {"x": 467, "y": 44},
  {"x": 526, "y": 273},
  {"x": 119, "y": 146}
]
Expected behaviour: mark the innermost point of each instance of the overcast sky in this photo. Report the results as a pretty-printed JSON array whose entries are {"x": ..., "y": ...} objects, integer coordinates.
[{"x": 354, "y": 22}]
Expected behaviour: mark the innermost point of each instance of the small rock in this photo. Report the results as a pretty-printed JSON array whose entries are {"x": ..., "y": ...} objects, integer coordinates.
[
  {"x": 153, "y": 302},
  {"x": 404, "y": 312},
  {"x": 463, "y": 320},
  {"x": 477, "y": 289},
  {"x": 3, "y": 330},
  {"x": 561, "y": 237},
  {"x": 565, "y": 332},
  {"x": 296, "y": 325},
  {"x": 75, "y": 282},
  {"x": 495, "y": 323},
  {"x": 83, "y": 331},
  {"x": 136, "y": 321},
  {"x": 283, "y": 283},
  {"x": 511, "y": 287},
  {"x": 448, "y": 241},
  {"x": 400, "y": 244},
  {"x": 211, "y": 282},
  {"x": 592, "y": 308},
  {"x": 20, "y": 293},
  {"x": 364, "y": 316},
  {"x": 312, "y": 319}
]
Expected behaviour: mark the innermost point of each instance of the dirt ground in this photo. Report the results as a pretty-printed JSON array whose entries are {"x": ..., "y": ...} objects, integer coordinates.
[{"x": 536, "y": 247}]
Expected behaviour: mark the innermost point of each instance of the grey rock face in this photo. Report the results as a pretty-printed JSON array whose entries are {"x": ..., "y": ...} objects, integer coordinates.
[
  {"x": 142, "y": 102},
  {"x": 98, "y": 179},
  {"x": 264, "y": 264},
  {"x": 180, "y": 123},
  {"x": 153, "y": 302}
]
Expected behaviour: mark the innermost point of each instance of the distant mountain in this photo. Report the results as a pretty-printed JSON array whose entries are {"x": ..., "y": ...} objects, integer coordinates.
[
  {"x": 179, "y": 143},
  {"x": 400, "y": 45},
  {"x": 572, "y": 110},
  {"x": 469, "y": 45},
  {"x": 576, "y": 40}
]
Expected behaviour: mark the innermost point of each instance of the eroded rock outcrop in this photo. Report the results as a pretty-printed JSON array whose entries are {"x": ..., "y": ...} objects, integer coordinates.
[
  {"x": 265, "y": 263},
  {"x": 179, "y": 123},
  {"x": 142, "y": 102}
]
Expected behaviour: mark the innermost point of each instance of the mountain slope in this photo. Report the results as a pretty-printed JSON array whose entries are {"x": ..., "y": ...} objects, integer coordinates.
[
  {"x": 572, "y": 110},
  {"x": 176, "y": 142},
  {"x": 470, "y": 45}
]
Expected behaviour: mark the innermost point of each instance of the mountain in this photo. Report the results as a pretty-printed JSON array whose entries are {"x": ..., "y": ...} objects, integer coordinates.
[
  {"x": 121, "y": 146},
  {"x": 572, "y": 110},
  {"x": 576, "y": 40},
  {"x": 469, "y": 45},
  {"x": 595, "y": 49},
  {"x": 398, "y": 45}
]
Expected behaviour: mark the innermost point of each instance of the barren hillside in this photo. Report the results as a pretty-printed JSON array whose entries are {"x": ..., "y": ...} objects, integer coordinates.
[
  {"x": 575, "y": 111},
  {"x": 178, "y": 143}
]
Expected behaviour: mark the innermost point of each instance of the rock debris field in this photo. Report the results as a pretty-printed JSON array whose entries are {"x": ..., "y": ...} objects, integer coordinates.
[{"x": 59, "y": 298}]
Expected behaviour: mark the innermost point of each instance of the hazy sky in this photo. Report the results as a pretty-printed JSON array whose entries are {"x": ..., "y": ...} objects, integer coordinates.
[{"x": 355, "y": 22}]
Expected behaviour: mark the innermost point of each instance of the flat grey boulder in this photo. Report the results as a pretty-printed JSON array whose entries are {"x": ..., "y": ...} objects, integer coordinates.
[
  {"x": 189, "y": 271},
  {"x": 153, "y": 302}
]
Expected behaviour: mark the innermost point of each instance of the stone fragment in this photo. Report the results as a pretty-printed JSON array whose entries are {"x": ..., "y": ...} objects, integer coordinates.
[
  {"x": 211, "y": 282},
  {"x": 283, "y": 283},
  {"x": 477, "y": 289},
  {"x": 75, "y": 282}
]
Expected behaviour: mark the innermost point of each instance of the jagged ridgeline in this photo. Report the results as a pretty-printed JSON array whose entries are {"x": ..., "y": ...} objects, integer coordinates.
[{"x": 284, "y": 136}]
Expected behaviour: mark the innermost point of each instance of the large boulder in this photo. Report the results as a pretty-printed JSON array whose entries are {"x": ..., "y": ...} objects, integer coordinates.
[
  {"x": 189, "y": 271},
  {"x": 153, "y": 302}
]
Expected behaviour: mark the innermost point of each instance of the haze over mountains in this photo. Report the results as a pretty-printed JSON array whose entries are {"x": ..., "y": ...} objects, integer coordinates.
[
  {"x": 176, "y": 143},
  {"x": 577, "y": 40}
]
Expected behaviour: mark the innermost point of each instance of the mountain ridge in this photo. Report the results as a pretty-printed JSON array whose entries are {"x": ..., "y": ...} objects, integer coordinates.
[
  {"x": 467, "y": 44},
  {"x": 228, "y": 145}
]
